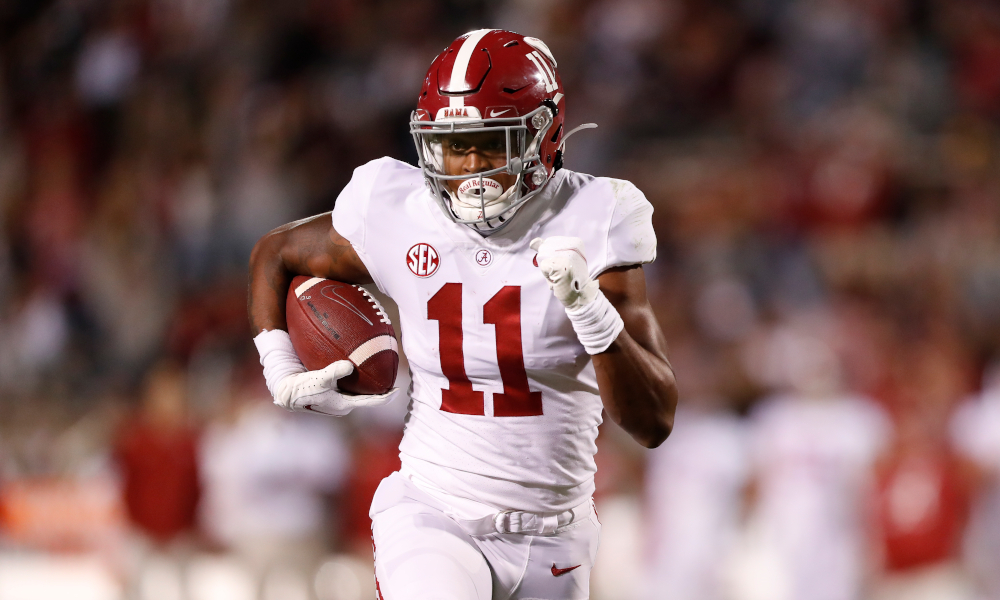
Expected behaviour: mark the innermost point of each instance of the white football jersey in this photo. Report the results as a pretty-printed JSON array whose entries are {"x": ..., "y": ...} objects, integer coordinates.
[
  {"x": 504, "y": 403},
  {"x": 814, "y": 460}
]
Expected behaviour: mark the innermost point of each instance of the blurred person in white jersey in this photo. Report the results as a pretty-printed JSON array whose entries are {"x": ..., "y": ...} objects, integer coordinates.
[
  {"x": 524, "y": 314},
  {"x": 813, "y": 448},
  {"x": 267, "y": 477},
  {"x": 695, "y": 486},
  {"x": 975, "y": 433}
]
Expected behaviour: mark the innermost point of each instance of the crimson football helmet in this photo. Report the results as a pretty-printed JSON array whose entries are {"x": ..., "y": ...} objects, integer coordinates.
[{"x": 499, "y": 83}]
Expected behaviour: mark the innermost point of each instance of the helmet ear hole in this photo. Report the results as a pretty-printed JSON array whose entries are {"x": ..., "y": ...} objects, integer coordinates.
[{"x": 555, "y": 136}]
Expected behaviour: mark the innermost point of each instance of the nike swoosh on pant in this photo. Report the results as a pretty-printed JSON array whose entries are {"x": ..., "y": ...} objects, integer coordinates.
[{"x": 556, "y": 571}]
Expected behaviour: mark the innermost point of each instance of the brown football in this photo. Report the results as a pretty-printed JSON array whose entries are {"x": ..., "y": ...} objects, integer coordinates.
[{"x": 330, "y": 321}]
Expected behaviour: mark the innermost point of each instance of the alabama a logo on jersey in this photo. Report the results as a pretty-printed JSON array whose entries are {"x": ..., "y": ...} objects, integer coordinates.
[{"x": 423, "y": 260}]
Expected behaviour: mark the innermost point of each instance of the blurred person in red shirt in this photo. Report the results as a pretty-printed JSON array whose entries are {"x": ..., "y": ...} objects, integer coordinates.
[
  {"x": 923, "y": 487},
  {"x": 156, "y": 451},
  {"x": 376, "y": 455}
]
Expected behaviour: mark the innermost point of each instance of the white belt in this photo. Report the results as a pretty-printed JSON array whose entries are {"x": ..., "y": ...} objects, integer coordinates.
[
  {"x": 525, "y": 523},
  {"x": 505, "y": 521}
]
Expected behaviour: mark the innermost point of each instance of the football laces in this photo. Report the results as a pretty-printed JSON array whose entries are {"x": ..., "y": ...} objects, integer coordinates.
[{"x": 383, "y": 317}]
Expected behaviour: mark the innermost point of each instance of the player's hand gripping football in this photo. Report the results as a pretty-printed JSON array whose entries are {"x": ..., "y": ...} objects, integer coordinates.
[
  {"x": 564, "y": 265},
  {"x": 562, "y": 261},
  {"x": 316, "y": 391},
  {"x": 295, "y": 388}
]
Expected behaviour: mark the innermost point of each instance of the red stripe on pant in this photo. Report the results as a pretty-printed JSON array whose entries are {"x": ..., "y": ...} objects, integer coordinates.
[{"x": 378, "y": 591}]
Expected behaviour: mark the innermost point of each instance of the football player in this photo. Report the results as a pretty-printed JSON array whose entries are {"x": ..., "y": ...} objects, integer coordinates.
[{"x": 524, "y": 314}]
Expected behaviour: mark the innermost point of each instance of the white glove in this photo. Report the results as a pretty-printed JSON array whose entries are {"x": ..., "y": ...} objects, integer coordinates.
[
  {"x": 296, "y": 389},
  {"x": 564, "y": 266},
  {"x": 316, "y": 391}
]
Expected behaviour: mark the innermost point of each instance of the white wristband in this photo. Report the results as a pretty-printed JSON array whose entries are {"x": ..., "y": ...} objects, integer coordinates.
[
  {"x": 597, "y": 324},
  {"x": 277, "y": 356}
]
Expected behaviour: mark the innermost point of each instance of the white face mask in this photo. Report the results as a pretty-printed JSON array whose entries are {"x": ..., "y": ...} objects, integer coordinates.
[{"x": 489, "y": 209}]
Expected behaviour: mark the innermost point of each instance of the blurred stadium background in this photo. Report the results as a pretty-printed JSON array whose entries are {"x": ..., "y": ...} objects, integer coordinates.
[{"x": 827, "y": 192}]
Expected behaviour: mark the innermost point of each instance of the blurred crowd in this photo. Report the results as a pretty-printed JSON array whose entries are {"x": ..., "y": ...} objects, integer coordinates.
[{"x": 826, "y": 179}]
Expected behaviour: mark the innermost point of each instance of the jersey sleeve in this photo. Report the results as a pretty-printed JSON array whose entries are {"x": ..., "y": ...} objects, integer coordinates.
[
  {"x": 351, "y": 212},
  {"x": 631, "y": 240}
]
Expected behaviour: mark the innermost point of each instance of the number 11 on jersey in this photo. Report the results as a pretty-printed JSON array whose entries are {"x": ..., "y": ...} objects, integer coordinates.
[{"x": 503, "y": 311}]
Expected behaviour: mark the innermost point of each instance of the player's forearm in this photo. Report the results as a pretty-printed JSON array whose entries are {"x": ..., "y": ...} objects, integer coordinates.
[
  {"x": 638, "y": 390},
  {"x": 307, "y": 247},
  {"x": 269, "y": 279}
]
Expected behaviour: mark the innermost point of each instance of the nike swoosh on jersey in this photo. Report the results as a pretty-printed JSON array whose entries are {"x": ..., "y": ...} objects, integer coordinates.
[
  {"x": 494, "y": 113},
  {"x": 556, "y": 572}
]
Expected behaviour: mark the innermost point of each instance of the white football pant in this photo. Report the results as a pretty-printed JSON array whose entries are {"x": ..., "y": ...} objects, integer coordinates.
[{"x": 423, "y": 554}]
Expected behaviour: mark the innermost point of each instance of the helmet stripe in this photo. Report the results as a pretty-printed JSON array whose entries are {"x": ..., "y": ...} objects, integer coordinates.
[
  {"x": 462, "y": 64},
  {"x": 543, "y": 68}
]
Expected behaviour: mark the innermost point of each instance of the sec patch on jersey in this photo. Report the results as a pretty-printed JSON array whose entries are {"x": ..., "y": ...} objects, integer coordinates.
[{"x": 330, "y": 321}]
